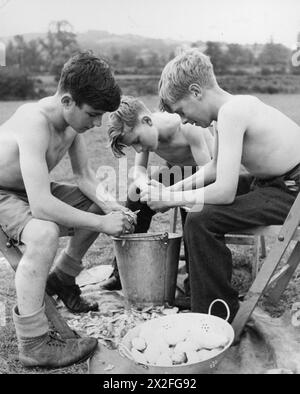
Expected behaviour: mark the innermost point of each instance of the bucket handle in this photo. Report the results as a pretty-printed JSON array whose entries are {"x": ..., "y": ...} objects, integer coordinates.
[
  {"x": 165, "y": 238},
  {"x": 224, "y": 303}
]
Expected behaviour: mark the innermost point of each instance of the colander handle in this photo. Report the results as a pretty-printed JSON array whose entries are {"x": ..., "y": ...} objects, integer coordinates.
[{"x": 224, "y": 303}]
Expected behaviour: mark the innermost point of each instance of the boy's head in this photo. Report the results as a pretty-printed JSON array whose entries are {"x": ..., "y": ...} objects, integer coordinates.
[
  {"x": 131, "y": 125},
  {"x": 88, "y": 90},
  {"x": 183, "y": 86}
]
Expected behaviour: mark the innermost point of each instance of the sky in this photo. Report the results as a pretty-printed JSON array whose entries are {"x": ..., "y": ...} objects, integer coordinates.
[{"x": 240, "y": 21}]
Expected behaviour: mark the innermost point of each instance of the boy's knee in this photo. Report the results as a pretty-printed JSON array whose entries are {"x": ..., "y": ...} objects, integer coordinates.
[
  {"x": 40, "y": 234},
  {"x": 206, "y": 218}
]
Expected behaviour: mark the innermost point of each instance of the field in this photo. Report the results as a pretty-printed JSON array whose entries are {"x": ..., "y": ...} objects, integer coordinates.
[{"x": 101, "y": 252}]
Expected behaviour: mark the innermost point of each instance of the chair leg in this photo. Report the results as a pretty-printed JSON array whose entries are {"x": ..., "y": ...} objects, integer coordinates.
[
  {"x": 267, "y": 270},
  {"x": 275, "y": 291},
  {"x": 255, "y": 261},
  {"x": 173, "y": 220},
  {"x": 263, "y": 250}
]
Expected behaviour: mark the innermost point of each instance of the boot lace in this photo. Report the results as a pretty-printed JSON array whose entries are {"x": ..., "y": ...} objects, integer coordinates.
[{"x": 55, "y": 340}]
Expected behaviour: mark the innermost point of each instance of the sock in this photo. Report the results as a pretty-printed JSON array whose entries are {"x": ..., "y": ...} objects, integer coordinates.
[
  {"x": 67, "y": 268},
  {"x": 31, "y": 326}
]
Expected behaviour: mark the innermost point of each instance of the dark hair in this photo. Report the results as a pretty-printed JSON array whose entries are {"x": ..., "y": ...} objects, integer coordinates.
[{"x": 90, "y": 81}]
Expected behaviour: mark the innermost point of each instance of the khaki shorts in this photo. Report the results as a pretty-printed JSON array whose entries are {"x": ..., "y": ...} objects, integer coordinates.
[{"x": 15, "y": 211}]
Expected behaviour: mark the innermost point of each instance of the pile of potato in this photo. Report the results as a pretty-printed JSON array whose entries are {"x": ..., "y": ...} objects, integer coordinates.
[{"x": 173, "y": 346}]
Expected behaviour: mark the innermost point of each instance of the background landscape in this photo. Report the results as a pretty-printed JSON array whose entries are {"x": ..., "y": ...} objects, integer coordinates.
[{"x": 34, "y": 62}]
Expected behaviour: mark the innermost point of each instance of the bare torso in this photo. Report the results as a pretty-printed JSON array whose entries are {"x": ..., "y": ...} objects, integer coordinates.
[
  {"x": 271, "y": 144},
  {"x": 59, "y": 143},
  {"x": 188, "y": 146}
]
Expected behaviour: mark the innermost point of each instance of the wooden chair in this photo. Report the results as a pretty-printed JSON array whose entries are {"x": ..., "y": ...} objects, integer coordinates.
[
  {"x": 257, "y": 241},
  {"x": 269, "y": 280},
  {"x": 13, "y": 255}
]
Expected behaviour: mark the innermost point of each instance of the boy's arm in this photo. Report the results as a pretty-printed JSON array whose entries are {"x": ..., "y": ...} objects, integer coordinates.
[
  {"x": 86, "y": 178},
  {"x": 33, "y": 144},
  {"x": 232, "y": 126},
  {"x": 203, "y": 177},
  {"x": 140, "y": 175}
]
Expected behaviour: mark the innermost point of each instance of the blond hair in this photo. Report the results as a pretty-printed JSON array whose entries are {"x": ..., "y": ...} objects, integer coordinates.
[
  {"x": 191, "y": 66},
  {"x": 122, "y": 121}
]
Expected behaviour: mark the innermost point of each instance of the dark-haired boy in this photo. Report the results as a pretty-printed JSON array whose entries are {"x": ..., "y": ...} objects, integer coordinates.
[{"x": 33, "y": 210}]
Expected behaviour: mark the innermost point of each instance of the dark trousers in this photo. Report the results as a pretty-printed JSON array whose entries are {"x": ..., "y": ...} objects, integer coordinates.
[{"x": 258, "y": 203}]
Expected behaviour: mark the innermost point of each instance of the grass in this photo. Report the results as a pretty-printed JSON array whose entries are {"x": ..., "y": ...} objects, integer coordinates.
[{"x": 102, "y": 252}]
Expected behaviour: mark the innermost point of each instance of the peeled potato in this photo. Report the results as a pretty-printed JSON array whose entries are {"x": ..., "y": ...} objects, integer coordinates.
[
  {"x": 192, "y": 357},
  {"x": 173, "y": 336},
  {"x": 152, "y": 353},
  {"x": 186, "y": 346},
  {"x": 159, "y": 343},
  {"x": 139, "y": 344},
  {"x": 178, "y": 358},
  {"x": 138, "y": 356},
  {"x": 164, "y": 360},
  {"x": 214, "y": 340},
  {"x": 146, "y": 333}
]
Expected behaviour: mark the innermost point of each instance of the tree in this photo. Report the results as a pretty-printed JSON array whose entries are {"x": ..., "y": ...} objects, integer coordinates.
[
  {"x": 238, "y": 55},
  {"x": 26, "y": 56},
  {"x": 217, "y": 56},
  {"x": 59, "y": 45},
  {"x": 275, "y": 55}
]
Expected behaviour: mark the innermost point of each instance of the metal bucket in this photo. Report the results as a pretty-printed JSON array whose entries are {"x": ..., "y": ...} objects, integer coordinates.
[
  {"x": 148, "y": 267},
  {"x": 204, "y": 323}
]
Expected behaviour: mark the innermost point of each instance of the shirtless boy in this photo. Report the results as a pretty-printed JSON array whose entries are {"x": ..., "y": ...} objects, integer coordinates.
[
  {"x": 182, "y": 146},
  {"x": 249, "y": 132},
  {"x": 33, "y": 210}
]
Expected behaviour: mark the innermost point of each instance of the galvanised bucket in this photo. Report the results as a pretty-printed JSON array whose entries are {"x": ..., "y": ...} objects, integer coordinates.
[{"x": 148, "y": 267}]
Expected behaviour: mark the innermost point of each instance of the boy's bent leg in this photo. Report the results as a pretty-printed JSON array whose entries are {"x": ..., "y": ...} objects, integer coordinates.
[
  {"x": 209, "y": 257},
  {"x": 38, "y": 347},
  {"x": 41, "y": 243},
  {"x": 62, "y": 280}
]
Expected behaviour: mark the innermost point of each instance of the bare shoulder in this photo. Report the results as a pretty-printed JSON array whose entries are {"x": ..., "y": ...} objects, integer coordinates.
[
  {"x": 31, "y": 113},
  {"x": 240, "y": 106},
  {"x": 30, "y": 119},
  {"x": 193, "y": 134},
  {"x": 31, "y": 127},
  {"x": 237, "y": 114}
]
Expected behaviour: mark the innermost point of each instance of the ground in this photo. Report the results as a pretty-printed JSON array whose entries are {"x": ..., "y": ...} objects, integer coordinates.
[{"x": 102, "y": 253}]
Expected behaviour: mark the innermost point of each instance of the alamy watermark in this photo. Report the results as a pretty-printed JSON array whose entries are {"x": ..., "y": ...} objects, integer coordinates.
[
  {"x": 296, "y": 57},
  {"x": 116, "y": 184}
]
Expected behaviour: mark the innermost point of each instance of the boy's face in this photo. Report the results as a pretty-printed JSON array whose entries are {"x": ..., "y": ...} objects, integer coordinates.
[
  {"x": 143, "y": 137},
  {"x": 192, "y": 109},
  {"x": 82, "y": 118}
]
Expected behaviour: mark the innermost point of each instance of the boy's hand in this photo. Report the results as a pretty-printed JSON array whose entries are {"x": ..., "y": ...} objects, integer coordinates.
[
  {"x": 120, "y": 208},
  {"x": 117, "y": 223},
  {"x": 156, "y": 196}
]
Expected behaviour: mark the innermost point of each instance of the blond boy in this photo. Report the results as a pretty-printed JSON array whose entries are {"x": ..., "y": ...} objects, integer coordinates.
[{"x": 250, "y": 133}]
